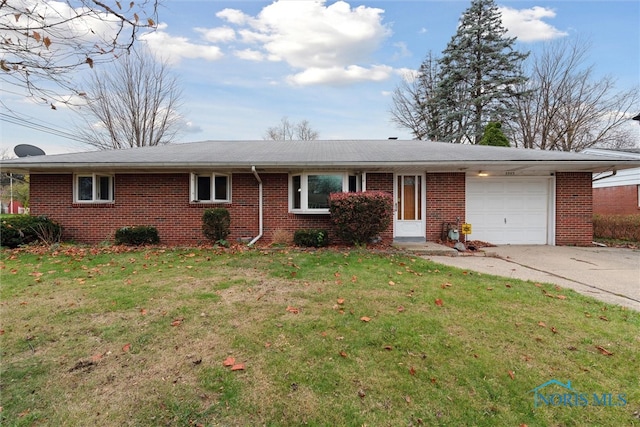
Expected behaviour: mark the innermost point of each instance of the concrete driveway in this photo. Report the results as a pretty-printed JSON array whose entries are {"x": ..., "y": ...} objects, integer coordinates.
[{"x": 608, "y": 274}]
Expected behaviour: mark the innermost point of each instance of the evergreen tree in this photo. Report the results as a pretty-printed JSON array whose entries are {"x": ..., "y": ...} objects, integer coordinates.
[
  {"x": 479, "y": 70},
  {"x": 493, "y": 135}
]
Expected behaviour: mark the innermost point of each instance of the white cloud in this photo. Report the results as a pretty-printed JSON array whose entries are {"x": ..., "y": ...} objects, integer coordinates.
[
  {"x": 173, "y": 49},
  {"x": 528, "y": 24},
  {"x": 217, "y": 35},
  {"x": 326, "y": 42},
  {"x": 341, "y": 75},
  {"x": 250, "y": 55}
]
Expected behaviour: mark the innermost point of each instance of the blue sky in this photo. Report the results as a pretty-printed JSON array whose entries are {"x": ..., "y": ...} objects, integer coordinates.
[{"x": 243, "y": 65}]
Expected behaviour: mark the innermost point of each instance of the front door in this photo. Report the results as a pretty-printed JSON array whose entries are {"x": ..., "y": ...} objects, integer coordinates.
[{"x": 409, "y": 206}]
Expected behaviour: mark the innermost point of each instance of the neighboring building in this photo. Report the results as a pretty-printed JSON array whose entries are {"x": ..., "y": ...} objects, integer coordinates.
[
  {"x": 619, "y": 193},
  {"x": 508, "y": 195}
]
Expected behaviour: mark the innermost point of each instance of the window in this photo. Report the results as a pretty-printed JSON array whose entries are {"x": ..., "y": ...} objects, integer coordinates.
[
  {"x": 309, "y": 192},
  {"x": 210, "y": 188},
  {"x": 93, "y": 188}
]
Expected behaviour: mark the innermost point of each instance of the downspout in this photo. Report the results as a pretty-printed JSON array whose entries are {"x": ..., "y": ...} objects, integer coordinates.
[
  {"x": 613, "y": 173},
  {"x": 260, "y": 208}
]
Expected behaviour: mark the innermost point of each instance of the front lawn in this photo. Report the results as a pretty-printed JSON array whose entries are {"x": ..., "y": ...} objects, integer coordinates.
[{"x": 187, "y": 337}]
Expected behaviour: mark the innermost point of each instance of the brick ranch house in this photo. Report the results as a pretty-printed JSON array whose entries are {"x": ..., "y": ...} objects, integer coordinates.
[{"x": 508, "y": 195}]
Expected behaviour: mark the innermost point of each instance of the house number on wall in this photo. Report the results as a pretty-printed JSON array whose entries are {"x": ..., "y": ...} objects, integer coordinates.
[{"x": 509, "y": 173}]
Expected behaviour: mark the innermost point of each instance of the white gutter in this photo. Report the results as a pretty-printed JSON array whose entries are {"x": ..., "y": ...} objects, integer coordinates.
[{"x": 260, "y": 207}]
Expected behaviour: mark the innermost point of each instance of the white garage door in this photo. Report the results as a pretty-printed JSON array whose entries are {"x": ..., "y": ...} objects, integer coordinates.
[{"x": 508, "y": 210}]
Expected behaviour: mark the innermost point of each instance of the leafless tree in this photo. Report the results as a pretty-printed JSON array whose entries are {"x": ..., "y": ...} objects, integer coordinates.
[
  {"x": 133, "y": 105},
  {"x": 42, "y": 42},
  {"x": 565, "y": 107},
  {"x": 414, "y": 105},
  {"x": 288, "y": 131}
]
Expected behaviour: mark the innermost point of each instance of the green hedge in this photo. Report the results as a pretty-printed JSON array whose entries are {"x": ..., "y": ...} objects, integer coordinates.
[
  {"x": 137, "y": 235},
  {"x": 311, "y": 238},
  {"x": 18, "y": 230},
  {"x": 216, "y": 224}
]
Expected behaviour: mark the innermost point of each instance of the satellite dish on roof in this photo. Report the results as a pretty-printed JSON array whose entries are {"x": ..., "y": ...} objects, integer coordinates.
[{"x": 26, "y": 150}]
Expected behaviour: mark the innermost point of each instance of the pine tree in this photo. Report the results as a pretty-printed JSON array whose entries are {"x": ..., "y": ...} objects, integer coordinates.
[
  {"x": 493, "y": 135},
  {"x": 479, "y": 70}
]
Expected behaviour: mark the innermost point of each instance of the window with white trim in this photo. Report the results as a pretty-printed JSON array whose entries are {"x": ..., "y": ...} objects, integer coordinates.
[
  {"x": 210, "y": 188},
  {"x": 309, "y": 192},
  {"x": 93, "y": 188}
]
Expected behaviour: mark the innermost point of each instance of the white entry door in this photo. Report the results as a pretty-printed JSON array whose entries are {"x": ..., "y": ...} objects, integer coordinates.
[{"x": 409, "y": 216}]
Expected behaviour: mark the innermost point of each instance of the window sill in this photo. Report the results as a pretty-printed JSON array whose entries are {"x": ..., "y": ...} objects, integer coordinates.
[
  {"x": 210, "y": 202},
  {"x": 310, "y": 212}
]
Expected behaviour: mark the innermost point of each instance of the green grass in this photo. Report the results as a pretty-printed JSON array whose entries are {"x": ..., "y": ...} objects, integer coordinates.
[{"x": 103, "y": 336}]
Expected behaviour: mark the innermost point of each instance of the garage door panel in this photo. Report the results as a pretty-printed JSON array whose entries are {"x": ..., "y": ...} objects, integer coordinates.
[{"x": 508, "y": 210}]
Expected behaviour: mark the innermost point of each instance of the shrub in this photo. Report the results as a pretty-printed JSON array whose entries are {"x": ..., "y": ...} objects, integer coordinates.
[
  {"x": 620, "y": 227},
  {"x": 216, "y": 224},
  {"x": 311, "y": 238},
  {"x": 137, "y": 235},
  {"x": 360, "y": 217},
  {"x": 17, "y": 230}
]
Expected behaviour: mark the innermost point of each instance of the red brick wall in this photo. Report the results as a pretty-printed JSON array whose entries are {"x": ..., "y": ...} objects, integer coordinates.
[
  {"x": 445, "y": 201},
  {"x": 574, "y": 211},
  {"x": 382, "y": 182},
  {"x": 621, "y": 200},
  {"x": 162, "y": 201}
]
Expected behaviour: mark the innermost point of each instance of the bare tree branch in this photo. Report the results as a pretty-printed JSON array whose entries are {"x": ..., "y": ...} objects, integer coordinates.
[
  {"x": 134, "y": 105},
  {"x": 43, "y": 42},
  {"x": 288, "y": 131}
]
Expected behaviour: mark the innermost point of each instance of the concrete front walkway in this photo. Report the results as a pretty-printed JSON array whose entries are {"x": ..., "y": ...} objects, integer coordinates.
[{"x": 611, "y": 275}]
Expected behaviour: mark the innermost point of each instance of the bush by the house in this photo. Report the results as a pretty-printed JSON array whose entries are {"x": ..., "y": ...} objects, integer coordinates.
[
  {"x": 216, "y": 224},
  {"x": 137, "y": 235},
  {"x": 17, "y": 230},
  {"x": 360, "y": 217},
  {"x": 311, "y": 238},
  {"x": 619, "y": 227}
]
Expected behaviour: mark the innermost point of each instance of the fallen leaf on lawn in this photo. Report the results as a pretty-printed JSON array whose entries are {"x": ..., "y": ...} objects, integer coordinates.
[
  {"x": 365, "y": 319},
  {"x": 126, "y": 347},
  {"x": 354, "y": 279},
  {"x": 407, "y": 399},
  {"x": 446, "y": 285},
  {"x": 544, "y": 325},
  {"x": 96, "y": 357},
  {"x": 604, "y": 350},
  {"x": 176, "y": 322},
  {"x": 439, "y": 302},
  {"x": 336, "y": 274},
  {"x": 400, "y": 309},
  {"x": 511, "y": 374},
  {"x": 554, "y": 330},
  {"x": 412, "y": 370},
  {"x": 603, "y": 318},
  {"x": 340, "y": 300},
  {"x": 343, "y": 354},
  {"x": 267, "y": 344},
  {"x": 433, "y": 380},
  {"x": 293, "y": 310},
  {"x": 229, "y": 361},
  {"x": 391, "y": 283},
  {"x": 538, "y": 285},
  {"x": 508, "y": 285},
  {"x": 561, "y": 297},
  {"x": 238, "y": 367},
  {"x": 143, "y": 311},
  {"x": 388, "y": 347}
]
